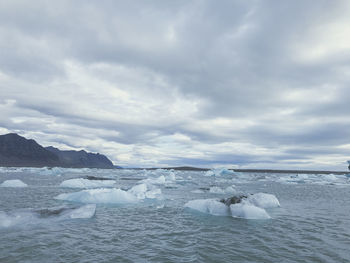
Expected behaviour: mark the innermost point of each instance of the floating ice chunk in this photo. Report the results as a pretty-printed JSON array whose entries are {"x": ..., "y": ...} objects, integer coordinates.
[
  {"x": 97, "y": 196},
  {"x": 52, "y": 171},
  {"x": 153, "y": 194},
  {"x": 113, "y": 195},
  {"x": 329, "y": 177},
  {"x": 263, "y": 200},
  {"x": 218, "y": 190},
  {"x": 167, "y": 179},
  {"x": 301, "y": 176},
  {"x": 209, "y": 173},
  {"x": 159, "y": 180},
  {"x": 139, "y": 191},
  {"x": 86, "y": 211},
  {"x": 47, "y": 215},
  {"x": 85, "y": 183},
  {"x": 251, "y": 207},
  {"x": 248, "y": 211},
  {"x": 13, "y": 183},
  {"x": 225, "y": 171},
  {"x": 19, "y": 218},
  {"x": 160, "y": 206},
  {"x": 170, "y": 177},
  {"x": 142, "y": 191},
  {"x": 219, "y": 172},
  {"x": 209, "y": 206}
]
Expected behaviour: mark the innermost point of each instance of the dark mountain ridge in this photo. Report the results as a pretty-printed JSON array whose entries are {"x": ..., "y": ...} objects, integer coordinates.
[{"x": 17, "y": 151}]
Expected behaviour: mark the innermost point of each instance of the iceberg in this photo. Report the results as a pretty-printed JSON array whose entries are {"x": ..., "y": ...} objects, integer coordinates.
[
  {"x": 57, "y": 171},
  {"x": 163, "y": 179},
  {"x": 263, "y": 200},
  {"x": 84, "y": 212},
  {"x": 159, "y": 180},
  {"x": 85, "y": 183},
  {"x": 248, "y": 207},
  {"x": 218, "y": 190},
  {"x": 13, "y": 183},
  {"x": 219, "y": 172},
  {"x": 100, "y": 196},
  {"x": 142, "y": 191},
  {"x": 113, "y": 195},
  {"x": 209, "y": 206},
  {"x": 248, "y": 211}
]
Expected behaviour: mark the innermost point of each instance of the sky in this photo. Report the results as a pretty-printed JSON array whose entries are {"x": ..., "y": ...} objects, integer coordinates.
[{"x": 236, "y": 83}]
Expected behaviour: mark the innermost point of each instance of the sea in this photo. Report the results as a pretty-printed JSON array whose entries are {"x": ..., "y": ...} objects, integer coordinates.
[{"x": 126, "y": 215}]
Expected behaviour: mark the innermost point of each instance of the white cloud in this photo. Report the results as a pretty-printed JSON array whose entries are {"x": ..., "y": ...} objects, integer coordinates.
[{"x": 175, "y": 83}]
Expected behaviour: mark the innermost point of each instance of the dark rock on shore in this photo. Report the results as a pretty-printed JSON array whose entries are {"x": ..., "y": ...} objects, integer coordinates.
[
  {"x": 91, "y": 177},
  {"x": 233, "y": 200}
]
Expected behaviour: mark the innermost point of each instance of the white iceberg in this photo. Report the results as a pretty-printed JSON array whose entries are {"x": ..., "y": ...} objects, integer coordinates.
[
  {"x": 86, "y": 211},
  {"x": 142, "y": 191},
  {"x": 100, "y": 196},
  {"x": 263, "y": 200},
  {"x": 57, "y": 171},
  {"x": 85, "y": 183},
  {"x": 248, "y": 211},
  {"x": 13, "y": 183},
  {"x": 218, "y": 190},
  {"x": 113, "y": 195},
  {"x": 169, "y": 178},
  {"x": 329, "y": 177},
  {"x": 209, "y": 206},
  {"x": 220, "y": 172},
  {"x": 252, "y": 207}
]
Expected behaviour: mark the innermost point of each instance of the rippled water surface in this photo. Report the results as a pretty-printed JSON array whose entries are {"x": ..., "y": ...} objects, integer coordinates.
[{"x": 153, "y": 225}]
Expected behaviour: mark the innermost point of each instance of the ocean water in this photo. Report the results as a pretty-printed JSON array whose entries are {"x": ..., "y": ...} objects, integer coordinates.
[{"x": 57, "y": 215}]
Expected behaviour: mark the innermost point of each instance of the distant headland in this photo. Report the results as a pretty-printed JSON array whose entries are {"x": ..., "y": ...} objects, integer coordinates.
[{"x": 17, "y": 151}]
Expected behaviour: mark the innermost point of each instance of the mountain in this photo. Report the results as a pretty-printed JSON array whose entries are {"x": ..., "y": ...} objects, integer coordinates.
[
  {"x": 81, "y": 158},
  {"x": 18, "y": 151}
]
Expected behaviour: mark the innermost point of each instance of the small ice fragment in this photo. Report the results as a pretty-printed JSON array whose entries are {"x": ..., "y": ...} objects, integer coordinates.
[
  {"x": 218, "y": 190},
  {"x": 103, "y": 195},
  {"x": 85, "y": 183},
  {"x": 209, "y": 206},
  {"x": 264, "y": 200},
  {"x": 86, "y": 211},
  {"x": 248, "y": 211},
  {"x": 13, "y": 183}
]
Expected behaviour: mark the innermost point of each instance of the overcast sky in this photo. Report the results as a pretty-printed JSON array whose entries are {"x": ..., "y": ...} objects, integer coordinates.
[{"x": 238, "y": 83}]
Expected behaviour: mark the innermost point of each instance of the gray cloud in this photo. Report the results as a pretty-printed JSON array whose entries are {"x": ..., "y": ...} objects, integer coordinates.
[{"x": 243, "y": 83}]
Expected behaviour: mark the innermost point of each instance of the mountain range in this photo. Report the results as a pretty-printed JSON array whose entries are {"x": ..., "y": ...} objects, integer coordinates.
[{"x": 17, "y": 151}]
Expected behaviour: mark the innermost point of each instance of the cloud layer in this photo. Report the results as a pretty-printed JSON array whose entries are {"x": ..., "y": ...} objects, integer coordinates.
[{"x": 162, "y": 83}]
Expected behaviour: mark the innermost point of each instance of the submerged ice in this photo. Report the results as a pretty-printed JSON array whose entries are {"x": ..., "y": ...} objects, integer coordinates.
[{"x": 45, "y": 215}]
